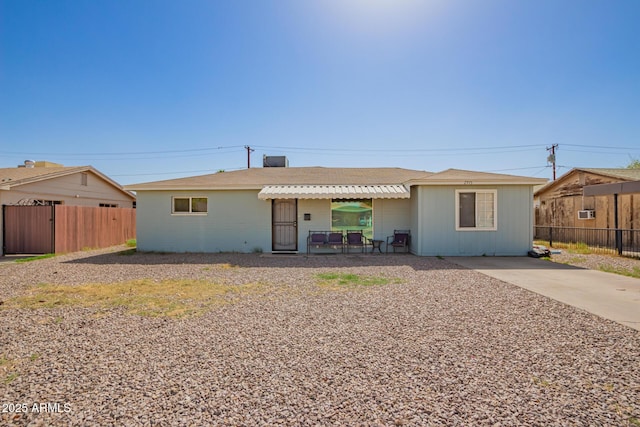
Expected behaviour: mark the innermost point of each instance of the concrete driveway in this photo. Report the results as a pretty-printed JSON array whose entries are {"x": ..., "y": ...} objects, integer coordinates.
[{"x": 607, "y": 295}]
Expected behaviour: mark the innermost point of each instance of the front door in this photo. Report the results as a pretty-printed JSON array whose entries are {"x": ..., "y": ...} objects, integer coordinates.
[{"x": 285, "y": 224}]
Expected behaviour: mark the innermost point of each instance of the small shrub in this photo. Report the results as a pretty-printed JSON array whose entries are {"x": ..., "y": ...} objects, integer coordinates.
[
  {"x": 350, "y": 279},
  {"x": 145, "y": 297},
  {"x": 635, "y": 272},
  {"x": 35, "y": 258}
]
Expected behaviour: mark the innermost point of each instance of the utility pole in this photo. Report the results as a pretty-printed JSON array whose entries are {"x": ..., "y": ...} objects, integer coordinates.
[
  {"x": 249, "y": 151},
  {"x": 552, "y": 158}
]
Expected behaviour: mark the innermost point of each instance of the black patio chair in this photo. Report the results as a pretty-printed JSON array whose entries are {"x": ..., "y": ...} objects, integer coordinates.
[
  {"x": 355, "y": 238},
  {"x": 336, "y": 240},
  {"x": 400, "y": 239}
]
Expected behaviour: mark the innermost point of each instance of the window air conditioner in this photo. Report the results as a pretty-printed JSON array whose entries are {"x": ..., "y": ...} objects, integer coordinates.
[{"x": 587, "y": 214}]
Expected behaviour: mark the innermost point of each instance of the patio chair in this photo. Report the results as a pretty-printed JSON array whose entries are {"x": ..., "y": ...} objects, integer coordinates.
[
  {"x": 316, "y": 239},
  {"x": 355, "y": 238},
  {"x": 336, "y": 240},
  {"x": 400, "y": 239}
]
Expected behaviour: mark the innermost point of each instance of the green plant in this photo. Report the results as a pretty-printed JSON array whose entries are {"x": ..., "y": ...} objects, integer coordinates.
[
  {"x": 35, "y": 258},
  {"x": 257, "y": 250},
  {"x": 169, "y": 298},
  {"x": 580, "y": 248},
  {"x": 132, "y": 243},
  {"x": 346, "y": 279},
  {"x": 635, "y": 272},
  {"x": 6, "y": 367},
  {"x": 12, "y": 376},
  {"x": 127, "y": 252}
]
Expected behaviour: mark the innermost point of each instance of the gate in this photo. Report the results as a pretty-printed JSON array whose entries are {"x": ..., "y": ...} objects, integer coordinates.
[
  {"x": 28, "y": 229},
  {"x": 63, "y": 229}
]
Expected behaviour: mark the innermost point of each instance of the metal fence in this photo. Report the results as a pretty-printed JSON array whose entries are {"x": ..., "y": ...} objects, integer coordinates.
[{"x": 621, "y": 241}]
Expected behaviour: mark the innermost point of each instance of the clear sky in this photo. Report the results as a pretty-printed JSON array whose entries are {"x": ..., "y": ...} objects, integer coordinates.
[{"x": 146, "y": 90}]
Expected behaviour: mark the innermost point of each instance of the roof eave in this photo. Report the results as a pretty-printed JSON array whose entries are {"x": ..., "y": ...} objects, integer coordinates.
[
  {"x": 192, "y": 188},
  {"x": 478, "y": 182}
]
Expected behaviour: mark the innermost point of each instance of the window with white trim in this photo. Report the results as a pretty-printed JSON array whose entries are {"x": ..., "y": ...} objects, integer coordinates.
[
  {"x": 476, "y": 210},
  {"x": 189, "y": 205}
]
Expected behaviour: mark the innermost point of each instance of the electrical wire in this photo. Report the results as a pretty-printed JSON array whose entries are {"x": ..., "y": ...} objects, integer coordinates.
[{"x": 129, "y": 153}]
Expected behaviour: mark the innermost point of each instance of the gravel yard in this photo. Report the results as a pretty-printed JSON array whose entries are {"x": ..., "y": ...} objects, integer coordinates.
[{"x": 437, "y": 345}]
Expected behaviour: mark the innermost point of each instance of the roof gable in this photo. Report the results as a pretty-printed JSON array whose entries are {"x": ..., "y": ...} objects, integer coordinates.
[
  {"x": 620, "y": 174},
  {"x": 466, "y": 177},
  {"x": 15, "y": 177}
]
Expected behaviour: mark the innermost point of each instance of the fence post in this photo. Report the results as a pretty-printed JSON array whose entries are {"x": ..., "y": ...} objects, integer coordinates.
[
  {"x": 618, "y": 231},
  {"x": 550, "y": 236}
]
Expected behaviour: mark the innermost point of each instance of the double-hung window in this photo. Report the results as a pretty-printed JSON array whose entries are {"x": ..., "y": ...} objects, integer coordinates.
[
  {"x": 189, "y": 205},
  {"x": 476, "y": 210}
]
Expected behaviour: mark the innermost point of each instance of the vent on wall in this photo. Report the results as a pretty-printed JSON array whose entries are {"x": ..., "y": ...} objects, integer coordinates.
[{"x": 586, "y": 214}]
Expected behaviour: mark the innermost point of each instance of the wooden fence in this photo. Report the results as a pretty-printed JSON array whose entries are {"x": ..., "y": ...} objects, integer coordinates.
[{"x": 62, "y": 228}]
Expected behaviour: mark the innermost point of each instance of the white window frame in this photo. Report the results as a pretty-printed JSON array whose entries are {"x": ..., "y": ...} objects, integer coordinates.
[
  {"x": 190, "y": 198},
  {"x": 495, "y": 209}
]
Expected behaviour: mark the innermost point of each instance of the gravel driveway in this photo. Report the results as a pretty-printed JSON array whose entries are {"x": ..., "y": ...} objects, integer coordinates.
[{"x": 438, "y": 345}]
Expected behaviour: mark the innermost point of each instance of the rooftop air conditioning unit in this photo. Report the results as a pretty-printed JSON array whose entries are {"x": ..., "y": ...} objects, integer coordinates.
[
  {"x": 586, "y": 214},
  {"x": 275, "y": 161}
]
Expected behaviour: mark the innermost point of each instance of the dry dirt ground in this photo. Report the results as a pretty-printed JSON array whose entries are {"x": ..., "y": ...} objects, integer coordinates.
[{"x": 404, "y": 340}]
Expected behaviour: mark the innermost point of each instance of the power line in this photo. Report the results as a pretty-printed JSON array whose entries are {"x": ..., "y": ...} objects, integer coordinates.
[
  {"x": 601, "y": 146},
  {"x": 398, "y": 149},
  {"x": 517, "y": 169},
  {"x": 176, "y": 172},
  {"x": 129, "y": 153}
]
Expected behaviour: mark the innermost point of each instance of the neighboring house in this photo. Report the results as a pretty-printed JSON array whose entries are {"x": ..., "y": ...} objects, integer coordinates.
[
  {"x": 45, "y": 183},
  {"x": 272, "y": 209},
  {"x": 561, "y": 203}
]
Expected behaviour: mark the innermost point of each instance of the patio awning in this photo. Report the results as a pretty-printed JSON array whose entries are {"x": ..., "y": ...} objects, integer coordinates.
[{"x": 334, "y": 192}]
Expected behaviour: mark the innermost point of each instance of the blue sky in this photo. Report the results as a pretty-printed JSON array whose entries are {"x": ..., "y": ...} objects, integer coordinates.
[{"x": 147, "y": 90}]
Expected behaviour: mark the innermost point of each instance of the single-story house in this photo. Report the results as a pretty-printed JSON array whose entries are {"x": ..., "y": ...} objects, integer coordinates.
[
  {"x": 273, "y": 209},
  {"x": 45, "y": 183},
  {"x": 562, "y": 202}
]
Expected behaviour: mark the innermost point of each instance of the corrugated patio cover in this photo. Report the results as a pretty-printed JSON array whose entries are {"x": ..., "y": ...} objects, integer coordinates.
[{"x": 334, "y": 192}]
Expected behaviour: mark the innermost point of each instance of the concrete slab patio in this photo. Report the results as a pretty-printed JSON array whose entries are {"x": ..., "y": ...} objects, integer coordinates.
[{"x": 607, "y": 295}]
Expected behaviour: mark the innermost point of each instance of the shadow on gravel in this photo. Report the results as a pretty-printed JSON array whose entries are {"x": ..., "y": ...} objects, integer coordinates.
[
  {"x": 129, "y": 257},
  {"x": 511, "y": 263}
]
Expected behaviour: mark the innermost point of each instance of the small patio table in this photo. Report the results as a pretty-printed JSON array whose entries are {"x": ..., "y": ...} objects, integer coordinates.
[{"x": 375, "y": 244}]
